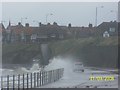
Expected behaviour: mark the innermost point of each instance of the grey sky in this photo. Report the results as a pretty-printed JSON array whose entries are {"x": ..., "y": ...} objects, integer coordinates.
[{"x": 78, "y": 13}]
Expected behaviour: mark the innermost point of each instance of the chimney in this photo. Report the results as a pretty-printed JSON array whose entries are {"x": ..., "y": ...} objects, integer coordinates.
[
  {"x": 90, "y": 25},
  {"x": 19, "y": 23},
  {"x": 82, "y": 27},
  {"x": 27, "y": 25},
  {"x": 40, "y": 24},
  {"x": 54, "y": 23},
  {"x": 48, "y": 23},
  {"x": 69, "y": 25}
]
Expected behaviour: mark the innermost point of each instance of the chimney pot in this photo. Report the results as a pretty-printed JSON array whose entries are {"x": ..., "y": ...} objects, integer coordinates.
[
  {"x": 69, "y": 25},
  {"x": 40, "y": 24},
  {"x": 48, "y": 23},
  {"x": 27, "y": 24},
  {"x": 90, "y": 25},
  {"x": 54, "y": 23},
  {"x": 19, "y": 23}
]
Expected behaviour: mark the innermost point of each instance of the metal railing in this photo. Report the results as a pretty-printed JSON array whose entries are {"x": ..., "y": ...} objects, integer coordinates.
[{"x": 31, "y": 80}]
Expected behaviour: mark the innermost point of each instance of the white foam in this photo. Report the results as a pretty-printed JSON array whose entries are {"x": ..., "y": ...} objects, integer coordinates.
[{"x": 62, "y": 62}]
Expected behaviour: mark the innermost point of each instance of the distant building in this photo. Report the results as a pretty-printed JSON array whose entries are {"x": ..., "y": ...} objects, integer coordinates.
[
  {"x": 42, "y": 33},
  {"x": 80, "y": 32},
  {"x": 110, "y": 27},
  {"x": 53, "y": 32}
]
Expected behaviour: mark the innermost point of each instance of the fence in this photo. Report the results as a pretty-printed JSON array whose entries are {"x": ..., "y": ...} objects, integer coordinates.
[{"x": 31, "y": 80}]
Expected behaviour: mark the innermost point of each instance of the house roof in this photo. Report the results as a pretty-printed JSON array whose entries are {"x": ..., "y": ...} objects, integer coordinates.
[
  {"x": 106, "y": 24},
  {"x": 83, "y": 30},
  {"x": 44, "y": 29}
]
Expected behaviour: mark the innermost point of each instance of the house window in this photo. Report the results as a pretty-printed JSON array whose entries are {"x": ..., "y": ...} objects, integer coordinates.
[
  {"x": 53, "y": 36},
  {"x": 112, "y": 29},
  {"x": 33, "y": 36}
]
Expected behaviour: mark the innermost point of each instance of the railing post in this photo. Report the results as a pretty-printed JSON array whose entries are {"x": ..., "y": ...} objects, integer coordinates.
[
  {"x": 37, "y": 79},
  {"x": 13, "y": 82},
  {"x": 40, "y": 79},
  {"x": 44, "y": 77},
  {"x": 34, "y": 79},
  {"x": 58, "y": 74},
  {"x": 27, "y": 81},
  {"x": 50, "y": 76},
  {"x": 53, "y": 75},
  {"x": 62, "y": 71},
  {"x": 31, "y": 79},
  {"x": 23, "y": 81},
  {"x": 47, "y": 77},
  {"x": 7, "y": 82},
  {"x": 18, "y": 81}
]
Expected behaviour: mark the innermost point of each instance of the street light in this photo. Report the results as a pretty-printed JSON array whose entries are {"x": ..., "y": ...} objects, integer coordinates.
[
  {"x": 97, "y": 14},
  {"x": 47, "y": 16}
]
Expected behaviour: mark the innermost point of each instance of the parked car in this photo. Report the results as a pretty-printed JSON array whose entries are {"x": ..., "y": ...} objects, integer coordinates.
[{"x": 78, "y": 67}]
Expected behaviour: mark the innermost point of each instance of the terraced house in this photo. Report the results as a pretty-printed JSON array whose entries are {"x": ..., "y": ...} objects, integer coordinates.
[
  {"x": 27, "y": 34},
  {"x": 53, "y": 32}
]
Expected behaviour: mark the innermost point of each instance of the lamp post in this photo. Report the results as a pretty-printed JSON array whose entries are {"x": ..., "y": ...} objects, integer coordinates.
[
  {"x": 96, "y": 16},
  {"x": 47, "y": 16}
]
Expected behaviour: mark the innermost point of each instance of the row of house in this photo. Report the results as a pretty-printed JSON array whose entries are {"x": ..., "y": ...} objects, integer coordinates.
[
  {"x": 45, "y": 33},
  {"x": 20, "y": 33}
]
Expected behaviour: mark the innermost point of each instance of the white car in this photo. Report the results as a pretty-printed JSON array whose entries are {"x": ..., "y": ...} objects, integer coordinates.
[{"x": 78, "y": 67}]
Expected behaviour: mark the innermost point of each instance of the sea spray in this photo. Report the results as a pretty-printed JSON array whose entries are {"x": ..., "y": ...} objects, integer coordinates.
[{"x": 62, "y": 62}]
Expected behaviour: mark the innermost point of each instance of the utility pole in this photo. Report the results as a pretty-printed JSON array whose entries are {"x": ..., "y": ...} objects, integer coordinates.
[{"x": 96, "y": 15}]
